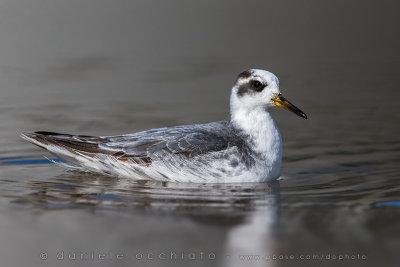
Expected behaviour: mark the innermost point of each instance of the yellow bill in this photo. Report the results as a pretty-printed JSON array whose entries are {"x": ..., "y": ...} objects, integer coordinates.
[{"x": 282, "y": 102}]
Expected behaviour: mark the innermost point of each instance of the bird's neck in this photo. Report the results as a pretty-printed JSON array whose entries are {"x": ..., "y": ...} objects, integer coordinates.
[{"x": 259, "y": 125}]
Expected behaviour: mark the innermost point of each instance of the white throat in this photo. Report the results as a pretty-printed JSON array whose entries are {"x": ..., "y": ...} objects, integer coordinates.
[
  {"x": 260, "y": 126},
  {"x": 265, "y": 138},
  {"x": 257, "y": 122}
]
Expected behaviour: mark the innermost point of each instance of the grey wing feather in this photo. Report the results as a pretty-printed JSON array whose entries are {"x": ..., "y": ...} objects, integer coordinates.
[{"x": 186, "y": 140}]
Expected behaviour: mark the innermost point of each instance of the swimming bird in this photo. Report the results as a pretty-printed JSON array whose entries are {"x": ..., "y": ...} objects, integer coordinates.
[{"x": 247, "y": 148}]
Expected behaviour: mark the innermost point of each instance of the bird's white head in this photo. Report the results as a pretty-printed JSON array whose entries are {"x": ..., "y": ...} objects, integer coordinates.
[{"x": 256, "y": 91}]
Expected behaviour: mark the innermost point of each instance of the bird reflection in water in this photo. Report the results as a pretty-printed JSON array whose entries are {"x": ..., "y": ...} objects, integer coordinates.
[{"x": 247, "y": 211}]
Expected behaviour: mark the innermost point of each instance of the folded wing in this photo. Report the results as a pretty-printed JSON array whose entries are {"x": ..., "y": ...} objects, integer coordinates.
[{"x": 188, "y": 141}]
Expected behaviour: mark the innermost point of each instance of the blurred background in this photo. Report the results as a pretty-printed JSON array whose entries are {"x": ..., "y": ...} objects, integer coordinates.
[{"x": 111, "y": 67}]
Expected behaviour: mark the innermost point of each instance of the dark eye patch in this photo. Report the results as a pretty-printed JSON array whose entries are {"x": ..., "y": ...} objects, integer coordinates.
[
  {"x": 257, "y": 85},
  {"x": 251, "y": 87}
]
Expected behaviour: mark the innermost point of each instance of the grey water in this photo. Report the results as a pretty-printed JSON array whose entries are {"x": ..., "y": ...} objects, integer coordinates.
[{"x": 111, "y": 67}]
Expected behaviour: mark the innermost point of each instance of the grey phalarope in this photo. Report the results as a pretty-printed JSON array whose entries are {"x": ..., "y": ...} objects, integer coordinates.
[{"x": 248, "y": 148}]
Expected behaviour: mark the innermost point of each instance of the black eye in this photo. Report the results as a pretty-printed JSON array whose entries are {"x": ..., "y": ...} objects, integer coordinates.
[{"x": 258, "y": 85}]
